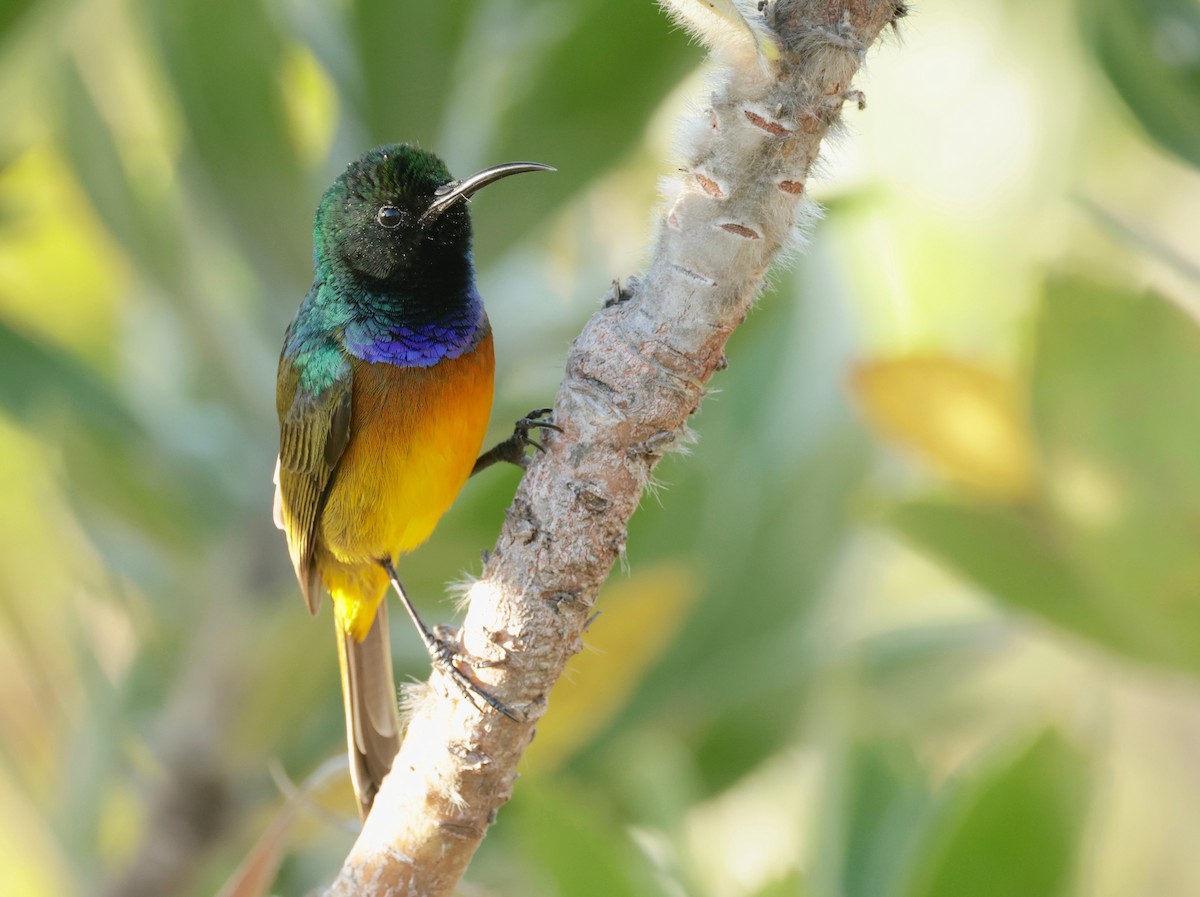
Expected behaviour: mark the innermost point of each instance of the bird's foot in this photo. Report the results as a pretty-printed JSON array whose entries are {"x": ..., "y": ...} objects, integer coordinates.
[
  {"x": 441, "y": 643},
  {"x": 448, "y": 636},
  {"x": 512, "y": 449},
  {"x": 446, "y": 655}
]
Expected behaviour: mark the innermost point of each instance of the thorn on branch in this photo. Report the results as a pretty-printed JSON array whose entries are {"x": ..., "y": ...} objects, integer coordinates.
[
  {"x": 617, "y": 294},
  {"x": 771, "y": 127},
  {"x": 857, "y": 97},
  {"x": 740, "y": 230},
  {"x": 708, "y": 185}
]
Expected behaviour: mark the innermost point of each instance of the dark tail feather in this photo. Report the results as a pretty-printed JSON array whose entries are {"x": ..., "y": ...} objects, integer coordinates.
[{"x": 372, "y": 721}]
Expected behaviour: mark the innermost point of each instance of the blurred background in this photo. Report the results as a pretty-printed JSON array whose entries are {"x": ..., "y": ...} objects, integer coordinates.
[{"x": 918, "y": 614}]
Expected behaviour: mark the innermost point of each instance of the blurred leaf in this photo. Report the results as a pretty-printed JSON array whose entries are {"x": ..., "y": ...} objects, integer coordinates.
[
  {"x": 1150, "y": 51},
  {"x": 1014, "y": 832},
  {"x": 296, "y": 687},
  {"x": 584, "y": 104},
  {"x": 574, "y": 838},
  {"x": 1117, "y": 411},
  {"x": 885, "y": 811},
  {"x": 1004, "y": 552},
  {"x": 780, "y": 526},
  {"x": 791, "y": 885},
  {"x": 311, "y": 102},
  {"x": 32, "y": 374},
  {"x": 963, "y": 419},
  {"x": 258, "y": 870},
  {"x": 917, "y": 661},
  {"x": 639, "y": 617},
  {"x": 111, "y": 459},
  {"x": 1110, "y": 551},
  {"x": 1140, "y": 235},
  {"x": 227, "y": 61},
  {"x": 140, "y": 221},
  {"x": 402, "y": 96},
  {"x": 51, "y": 260},
  {"x": 763, "y": 827},
  {"x": 764, "y": 498},
  {"x": 11, "y": 14},
  {"x": 91, "y": 759},
  {"x": 732, "y": 740}
]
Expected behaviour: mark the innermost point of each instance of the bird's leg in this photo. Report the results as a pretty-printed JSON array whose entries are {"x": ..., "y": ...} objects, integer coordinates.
[
  {"x": 513, "y": 448},
  {"x": 441, "y": 655},
  {"x": 448, "y": 635}
]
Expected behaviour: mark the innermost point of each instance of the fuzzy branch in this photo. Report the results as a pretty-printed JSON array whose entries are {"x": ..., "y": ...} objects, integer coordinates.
[{"x": 633, "y": 377}]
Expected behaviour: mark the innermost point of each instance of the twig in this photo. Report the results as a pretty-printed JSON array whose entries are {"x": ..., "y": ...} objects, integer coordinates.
[{"x": 634, "y": 375}]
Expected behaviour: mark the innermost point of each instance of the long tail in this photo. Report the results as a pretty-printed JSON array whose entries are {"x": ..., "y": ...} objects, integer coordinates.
[{"x": 372, "y": 721}]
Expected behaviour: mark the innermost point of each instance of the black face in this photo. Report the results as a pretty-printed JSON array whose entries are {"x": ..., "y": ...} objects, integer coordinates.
[
  {"x": 398, "y": 222},
  {"x": 374, "y": 220}
]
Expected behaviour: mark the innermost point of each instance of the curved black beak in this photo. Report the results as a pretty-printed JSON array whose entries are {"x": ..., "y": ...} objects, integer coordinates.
[{"x": 449, "y": 195}]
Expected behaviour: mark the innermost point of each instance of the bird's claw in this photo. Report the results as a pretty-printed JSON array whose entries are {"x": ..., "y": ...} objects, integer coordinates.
[
  {"x": 534, "y": 421},
  {"x": 452, "y": 648},
  {"x": 447, "y": 660},
  {"x": 512, "y": 449}
]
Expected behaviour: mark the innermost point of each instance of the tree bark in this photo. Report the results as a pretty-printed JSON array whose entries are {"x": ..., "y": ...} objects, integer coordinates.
[{"x": 633, "y": 377}]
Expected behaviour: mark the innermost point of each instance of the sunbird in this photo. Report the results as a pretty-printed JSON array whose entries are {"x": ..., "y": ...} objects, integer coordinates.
[{"x": 384, "y": 392}]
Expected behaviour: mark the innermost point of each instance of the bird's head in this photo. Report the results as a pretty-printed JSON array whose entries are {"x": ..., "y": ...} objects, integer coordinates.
[{"x": 397, "y": 210}]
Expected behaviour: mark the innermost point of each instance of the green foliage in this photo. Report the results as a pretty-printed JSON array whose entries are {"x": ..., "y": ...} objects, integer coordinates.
[
  {"x": 1017, "y": 830},
  {"x": 808, "y": 678},
  {"x": 887, "y": 805},
  {"x": 569, "y": 839},
  {"x": 1150, "y": 51},
  {"x": 1116, "y": 413},
  {"x": 1108, "y": 548}
]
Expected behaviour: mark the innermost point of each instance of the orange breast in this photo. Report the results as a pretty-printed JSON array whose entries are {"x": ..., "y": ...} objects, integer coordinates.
[{"x": 415, "y": 435}]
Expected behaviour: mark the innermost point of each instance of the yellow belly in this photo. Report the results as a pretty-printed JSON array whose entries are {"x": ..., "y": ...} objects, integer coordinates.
[{"x": 416, "y": 433}]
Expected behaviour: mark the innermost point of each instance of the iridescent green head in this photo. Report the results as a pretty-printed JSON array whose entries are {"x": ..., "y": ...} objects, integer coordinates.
[{"x": 396, "y": 211}]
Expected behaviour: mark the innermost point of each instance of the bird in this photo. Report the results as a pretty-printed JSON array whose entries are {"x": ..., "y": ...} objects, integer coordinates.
[{"x": 384, "y": 394}]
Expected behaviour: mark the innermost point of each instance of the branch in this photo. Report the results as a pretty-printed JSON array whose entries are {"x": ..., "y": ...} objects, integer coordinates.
[{"x": 634, "y": 375}]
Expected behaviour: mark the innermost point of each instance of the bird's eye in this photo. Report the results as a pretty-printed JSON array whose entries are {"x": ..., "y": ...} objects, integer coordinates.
[{"x": 389, "y": 216}]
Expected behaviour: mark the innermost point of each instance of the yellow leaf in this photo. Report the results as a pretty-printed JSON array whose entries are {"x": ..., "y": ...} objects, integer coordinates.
[
  {"x": 639, "y": 617},
  {"x": 964, "y": 420},
  {"x": 311, "y": 102},
  {"x": 60, "y": 275}
]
